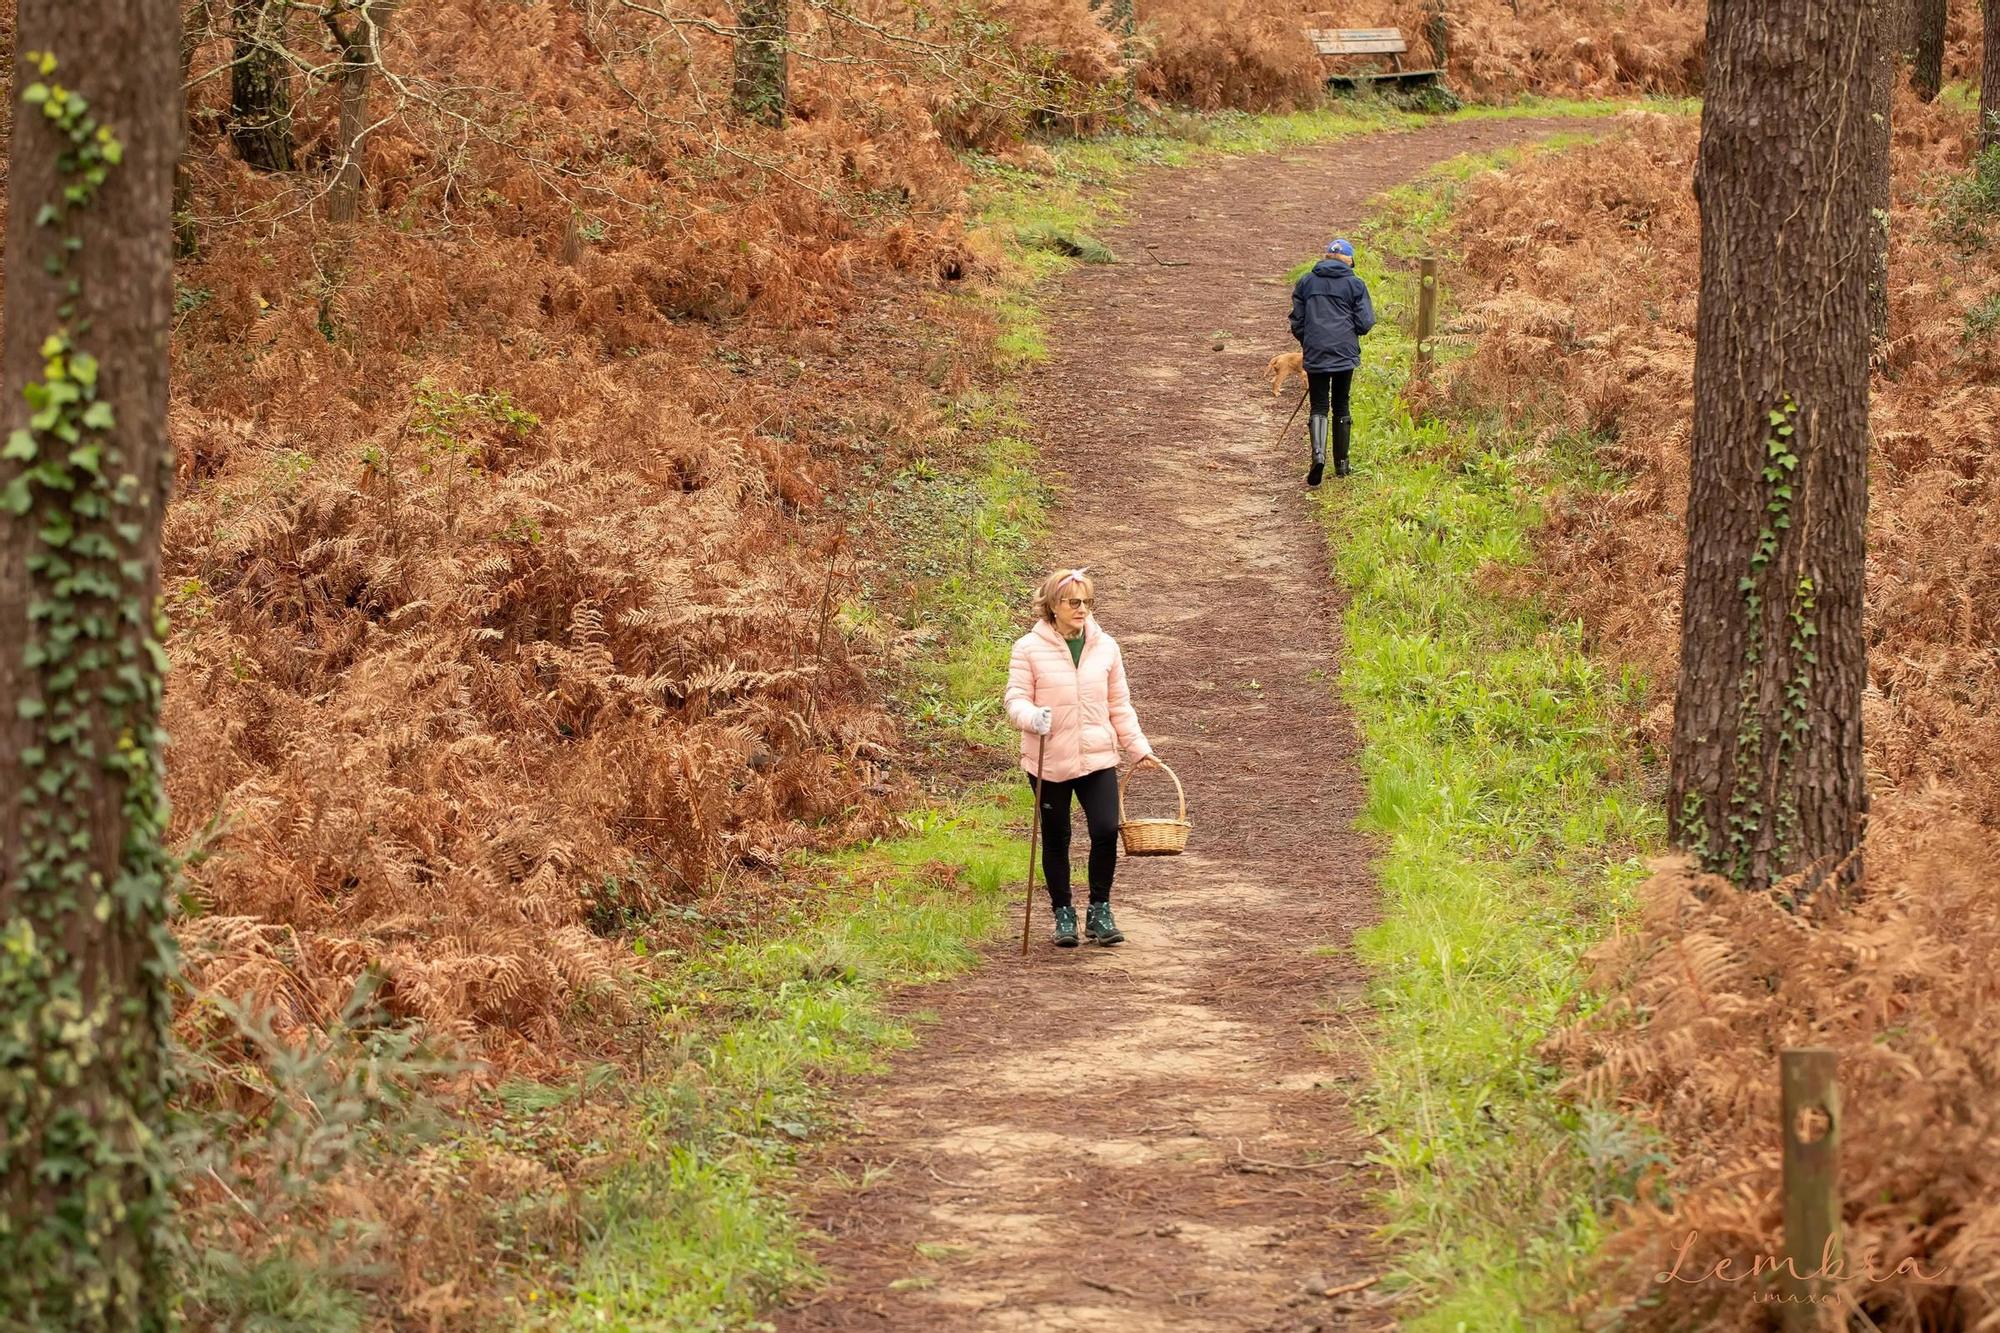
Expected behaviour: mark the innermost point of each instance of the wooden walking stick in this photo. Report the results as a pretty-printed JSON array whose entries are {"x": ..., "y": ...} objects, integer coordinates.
[
  {"x": 1294, "y": 417},
  {"x": 1034, "y": 827}
]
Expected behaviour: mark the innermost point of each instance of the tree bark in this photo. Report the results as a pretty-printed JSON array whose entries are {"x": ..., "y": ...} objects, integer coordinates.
[
  {"x": 187, "y": 238},
  {"x": 1767, "y": 771},
  {"x": 760, "y": 91},
  {"x": 1893, "y": 17},
  {"x": 1927, "y": 72},
  {"x": 85, "y": 956},
  {"x": 1989, "y": 80},
  {"x": 359, "y": 43},
  {"x": 260, "y": 86}
]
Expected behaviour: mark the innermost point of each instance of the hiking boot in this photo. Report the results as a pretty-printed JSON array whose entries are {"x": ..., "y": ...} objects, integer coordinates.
[
  {"x": 1099, "y": 926},
  {"x": 1343, "y": 434},
  {"x": 1317, "y": 427},
  {"x": 1065, "y": 927}
]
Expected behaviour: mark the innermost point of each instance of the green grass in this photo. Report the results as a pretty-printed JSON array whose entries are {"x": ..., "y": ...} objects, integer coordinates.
[
  {"x": 691, "y": 1231},
  {"x": 1502, "y": 781}
]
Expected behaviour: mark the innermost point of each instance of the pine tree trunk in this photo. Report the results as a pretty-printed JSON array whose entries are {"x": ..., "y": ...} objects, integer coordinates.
[
  {"x": 1927, "y": 74},
  {"x": 187, "y": 238},
  {"x": 260, "y": 86},
  {"x": 760, "y": 92},
  {"x": 84, "y": 951},
  {"x": 1892, "y": 15},
  {"x": 1989, "y": 80},
  {"x": 343, "y": 202},
  {"x": 1767, "y": 771}
]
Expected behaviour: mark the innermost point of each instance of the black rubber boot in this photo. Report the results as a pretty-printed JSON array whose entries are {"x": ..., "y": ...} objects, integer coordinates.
[
  {"x": 1065, "y": 927},
  {"x": 1098, "y": 925},
  {"x": 1343, "y": 434},
  {"x": 1317, "y": 427}
]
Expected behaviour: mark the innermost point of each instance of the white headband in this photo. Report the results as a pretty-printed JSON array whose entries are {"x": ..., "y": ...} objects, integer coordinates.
[{"x": 1074, "y": 576}]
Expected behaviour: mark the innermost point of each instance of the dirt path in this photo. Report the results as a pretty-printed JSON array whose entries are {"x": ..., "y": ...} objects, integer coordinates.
[{"x": 1157, "y": 1136}]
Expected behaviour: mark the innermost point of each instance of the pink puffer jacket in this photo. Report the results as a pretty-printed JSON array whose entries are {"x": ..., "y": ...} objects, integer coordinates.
[{"x": 1090, "y": 706}]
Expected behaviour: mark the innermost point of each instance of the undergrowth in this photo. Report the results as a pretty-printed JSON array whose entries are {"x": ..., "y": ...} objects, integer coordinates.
[{"x": 1501, "y": 778}]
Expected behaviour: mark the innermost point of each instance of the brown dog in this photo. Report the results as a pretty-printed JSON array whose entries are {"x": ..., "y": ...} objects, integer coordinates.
[{"x": 1283, "y": 366}]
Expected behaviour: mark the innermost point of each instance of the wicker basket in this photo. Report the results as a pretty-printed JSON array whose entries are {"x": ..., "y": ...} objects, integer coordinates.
[{"x": 1154, "y": 837}]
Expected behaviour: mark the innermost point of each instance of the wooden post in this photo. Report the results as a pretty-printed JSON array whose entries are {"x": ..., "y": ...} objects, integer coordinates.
[
  {"x": 1426, "y": 313},
  {"x": 1810, "y": 1094}
]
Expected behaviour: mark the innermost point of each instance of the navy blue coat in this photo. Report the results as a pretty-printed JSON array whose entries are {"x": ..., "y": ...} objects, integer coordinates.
[{"x": 1330, "y": 311}]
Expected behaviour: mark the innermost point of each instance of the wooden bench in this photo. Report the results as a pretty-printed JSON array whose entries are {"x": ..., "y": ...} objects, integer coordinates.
[{"x": 1369, "y": 42}]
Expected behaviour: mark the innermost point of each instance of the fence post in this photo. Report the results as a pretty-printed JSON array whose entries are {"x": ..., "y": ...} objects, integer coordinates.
[
  {"x": 1810, "y": 1096},
  {"x": 1427, "y": 293}
]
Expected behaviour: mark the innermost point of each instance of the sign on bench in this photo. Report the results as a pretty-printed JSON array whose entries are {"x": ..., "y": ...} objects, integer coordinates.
[
  {"x": 1369, "y": 42},
  {"x": 1358, "y": 41}
]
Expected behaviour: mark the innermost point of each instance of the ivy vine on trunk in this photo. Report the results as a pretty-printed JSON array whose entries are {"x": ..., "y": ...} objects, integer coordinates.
[
  {"x": 1767, "y": 774},
  {"x": 85, "y": 954}
]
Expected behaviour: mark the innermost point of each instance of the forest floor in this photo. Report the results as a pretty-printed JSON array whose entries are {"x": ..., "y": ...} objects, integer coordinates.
[{"x": 1159, "y": 1135}]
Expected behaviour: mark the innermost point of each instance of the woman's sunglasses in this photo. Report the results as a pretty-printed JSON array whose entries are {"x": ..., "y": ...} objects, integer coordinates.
[{"x": 1079, "y": 603}]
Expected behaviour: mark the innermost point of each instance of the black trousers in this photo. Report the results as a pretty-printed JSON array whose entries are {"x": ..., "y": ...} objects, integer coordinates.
[
  {"x": 1329, "y": 390},
  {"x": 1097, "y": 793}
]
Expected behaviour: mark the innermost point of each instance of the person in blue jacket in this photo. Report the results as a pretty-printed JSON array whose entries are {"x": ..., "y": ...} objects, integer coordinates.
[{"x": 1331, "y": 311}]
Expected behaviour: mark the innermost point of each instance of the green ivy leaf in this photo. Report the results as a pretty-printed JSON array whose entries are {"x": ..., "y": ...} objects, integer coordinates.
[
  {"x": 99, "y": 416},
  {"x": 20, "y": 447}
]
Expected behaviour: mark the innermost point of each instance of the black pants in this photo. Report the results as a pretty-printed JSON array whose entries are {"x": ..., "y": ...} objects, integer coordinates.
[
  {"x": 1098, "y": 794},
  {"x": 1329, "y": 390}
]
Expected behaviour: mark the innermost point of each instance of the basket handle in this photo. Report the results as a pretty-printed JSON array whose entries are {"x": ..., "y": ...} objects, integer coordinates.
[{"x": 1179, "y": 793}]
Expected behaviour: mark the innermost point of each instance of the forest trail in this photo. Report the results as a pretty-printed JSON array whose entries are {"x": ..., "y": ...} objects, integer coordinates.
[{"x": 1157, "y": 1136}]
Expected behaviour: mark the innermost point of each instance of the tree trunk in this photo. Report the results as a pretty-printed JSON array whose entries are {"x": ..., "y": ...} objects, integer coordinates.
[
  {"x": 1927, "y": 73},
  {"x": 760, "y": 92},
  {"x": 360, "y": 51},
  {"x": 1767, "y": 773},
  {"x": 1989, "y": 80},
  {"x": 187, "y": 239},
  {"x": 1893, "y": 16},
  {"x": 86, "y": 960},
  {"x": 260, "y": 86}
]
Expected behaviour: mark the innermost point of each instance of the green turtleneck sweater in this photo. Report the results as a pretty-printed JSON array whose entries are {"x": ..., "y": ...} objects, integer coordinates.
[{"x": 1075, "y": 650}]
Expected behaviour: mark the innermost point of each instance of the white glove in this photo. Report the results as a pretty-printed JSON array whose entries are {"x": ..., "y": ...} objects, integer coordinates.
[{"x": 1043, "y": 723}]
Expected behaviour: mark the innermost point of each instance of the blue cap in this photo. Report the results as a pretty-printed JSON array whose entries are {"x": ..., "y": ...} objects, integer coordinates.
[{"x": 1341, "y": 248}]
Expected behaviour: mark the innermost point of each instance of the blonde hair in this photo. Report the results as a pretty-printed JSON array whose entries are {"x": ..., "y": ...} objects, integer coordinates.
[{"x": 1055, "y": 583}]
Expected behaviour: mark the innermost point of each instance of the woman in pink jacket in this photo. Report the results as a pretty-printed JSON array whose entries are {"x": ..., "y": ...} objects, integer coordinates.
[{"x": 1066, "y": 683}]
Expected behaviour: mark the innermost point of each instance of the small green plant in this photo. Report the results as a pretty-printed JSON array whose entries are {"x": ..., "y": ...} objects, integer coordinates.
[
  {"x": 521, "y": 531},
  {"x": 1065, "y": 241},
  {"x": 348, "y": 1095},
  {"x": 452, "y": 431},
  {"x": 1983, "y": 319},
  {"x": 1969, "y": 207},
  {"x": 443, "y": 413}
]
